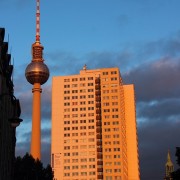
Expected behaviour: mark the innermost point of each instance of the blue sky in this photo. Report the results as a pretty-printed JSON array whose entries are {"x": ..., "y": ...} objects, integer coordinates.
[{"x": 142, "y": 38}]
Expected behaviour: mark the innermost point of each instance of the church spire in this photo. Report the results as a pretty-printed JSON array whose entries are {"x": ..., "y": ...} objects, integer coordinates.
[{"x": 169, "y": 167}]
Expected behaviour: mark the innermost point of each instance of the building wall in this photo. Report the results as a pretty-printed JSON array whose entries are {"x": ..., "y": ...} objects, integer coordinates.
[
  {"x": 7, "y": 132},
  {"x": 83, "y": 116}
]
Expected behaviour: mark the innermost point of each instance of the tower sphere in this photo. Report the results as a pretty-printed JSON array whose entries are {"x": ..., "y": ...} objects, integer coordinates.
[{"x": 37, "y": 72}]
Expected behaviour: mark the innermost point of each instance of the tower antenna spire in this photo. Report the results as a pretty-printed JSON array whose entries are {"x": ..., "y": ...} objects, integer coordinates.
[{"x": 38, "y": 20}]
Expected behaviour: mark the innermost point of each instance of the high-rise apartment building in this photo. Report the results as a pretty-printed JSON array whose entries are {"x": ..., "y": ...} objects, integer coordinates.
[{"x": 94, "y": 133}]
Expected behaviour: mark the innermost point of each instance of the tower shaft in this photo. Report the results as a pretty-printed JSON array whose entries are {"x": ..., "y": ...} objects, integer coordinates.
[{"x": 36, "y": 122}]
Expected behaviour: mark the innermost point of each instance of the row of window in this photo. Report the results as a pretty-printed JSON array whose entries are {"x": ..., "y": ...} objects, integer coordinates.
[
  {"x": 80, "y": 173},
  {"x": 76, "y": 85},
  {"x": 92, "y": 166},
  {"x": 76, "y": 79},
  {"x": 66, "y": 161},
  {"x": 68, "y": 141},
  {"x": 106, "y": 72},
  {"x": 113, "y": 123},
  {"x": 80, "y": 121},
  {"x": 76, "y": 128},
  {"x": 76, "y": 91}
]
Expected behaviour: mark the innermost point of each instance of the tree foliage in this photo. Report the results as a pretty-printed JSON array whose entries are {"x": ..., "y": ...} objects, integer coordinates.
[
  {"x": 176, "y": 174},
  {"x": 27, "y": 168}
]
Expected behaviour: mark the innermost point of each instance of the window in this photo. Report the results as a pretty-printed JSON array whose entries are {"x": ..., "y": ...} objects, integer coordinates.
[
  {"x": 107, "y": 136},
  {"x": 74, "y": 134},
  {"x": 82, "y": 102},
  {"x": 66, "y": 104},
  {"x": 115, "y": 122},
  {"x": 107, "y": 149},
  {"x": 74, "y": 103},
  {"x": 108, "y": 170},
  {"x": 115, "y": 129},
  {"x": 108, "y": 163},
  {"x": 105, "y": 91},
  {"x": 66, "y": 147},
  {"x": 74, "y": 97},
  {"x": 74, "y": 109},
  {"x": 82, "y": 90},
  {"x": 106, "y": 116},
  {"x": 117, "y": 156},
  {"x": 83, "y": 97},
  {"x": 82, "y": 121},
  {"x": 82, "y": 85},
  {"x": 90, "y": 114},
  {"x": 74, "y": 79},
  {"x": 107, "y": 156},
  {"x": 91, "y": 146},
  {"x": 107, "y": 142},
  {"x": 74, "y": 115},
  {"x": 90, "y": 127},
  {"x": 91, "y": 120},
  {"x": 106, "y": 110},
  {"x": 106, "y": 104},
  {"x": 114, "y": 97},
  {"x": 75, "y": 140},
  {"x": 106, "y": 123},
  {"x": 67, "y": 135},
  {"x": 116, "y": 149},
  {"x": 66, "y": 154},
  {"x": 75, "y": 154},
  {"x": 66, "y": 92},
  {"x": 83, "y": 115},
  {"x": 91, "y": 96},
  {"x": 83, "y": 173},
  {"x": 105, "y": 79},
  {"x": 75, "y": 167},
  {"x": 91, "y": 159},
  {"x": 74, "y": 91},
  {"x": 83, "y": 109},
  {"x": 66, "y": 98},
  {"x": 75, "y": 128},
  {"x": 67, "y": 86},
  {"x": 90, "y": 90},
  {"x": 66, "y": 128},
  {"x": 90, "y": 133},
  {"x": 114, "y": 103},
  {"x": 117, "y": 163},
  {"x": 82, "y": 127},
  {"x": 83, "y": 147},
  {"x": 84, "y": 160},
  {"x": 92, "y": 173},
  {"x": 115, "y": 116},
  {"x": 74, "y": 147},
  {"x": 66, "y": 160},
  {"x": 107, "y": 129},
  {"x": 74, "y": 160},
  {"x": 90, "y": 102},
  {"x": 114, "y": 90},
  {"x": 74, "y": 121},
  {"x": 113, "y": 78},
  {"x": 82, "y": 79},
  {"x": 66, "y": 167},
  {"x": 75, "y": 174},
  {"x": 116, "y": 136},
  {"x": 115, "y": 110},
  {"x": 66, "y": 122},
  {"x": 67, "y": 110},
  {"x": 74, "y": 85},
  {"x": 105, "y": 97},
  {"x": 83, "y": 134},
  {"x": 90, "y": 78},
  {"x": 90, "y": 108},
  {"x": 66, "y": 116},
  {"x": 66, "y": 80},
  {"x": 90, "y": 84},
  {"x": 113, "y": 72},
  {"x": 67, "y": 141},
  {"x": 116, "y": 142},
  {"x": 105, "y": 73},
  {"x": 91, "y": 140},
  {"x": 117, "y": 170},
  {"x": 66, "y": 174}
]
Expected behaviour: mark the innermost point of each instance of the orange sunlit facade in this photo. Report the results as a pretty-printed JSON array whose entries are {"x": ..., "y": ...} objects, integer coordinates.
[{"x": 94, "y": 127}]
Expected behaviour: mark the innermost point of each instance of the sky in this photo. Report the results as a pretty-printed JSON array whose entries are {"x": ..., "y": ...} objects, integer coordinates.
[{"x": 140, "y": 37}]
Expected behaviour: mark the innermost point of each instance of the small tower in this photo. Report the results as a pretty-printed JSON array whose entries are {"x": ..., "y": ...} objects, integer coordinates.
[
  {"x": 37, "y": 73},
  {"x": 169, "y": 167}
]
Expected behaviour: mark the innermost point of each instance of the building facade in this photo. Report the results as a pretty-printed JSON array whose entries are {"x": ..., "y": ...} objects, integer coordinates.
[
  {"x": 94, "y": 133},
  {"x": 9, "y": 112}
]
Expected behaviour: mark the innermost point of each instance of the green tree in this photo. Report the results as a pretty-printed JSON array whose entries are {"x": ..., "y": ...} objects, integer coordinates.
[
  {"x": 176, "y": 174},
  {"x": 27, "y": 168}
]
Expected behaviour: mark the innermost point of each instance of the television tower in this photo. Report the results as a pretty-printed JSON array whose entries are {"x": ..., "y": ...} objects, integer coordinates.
[{"x": 37, "y": 73}]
